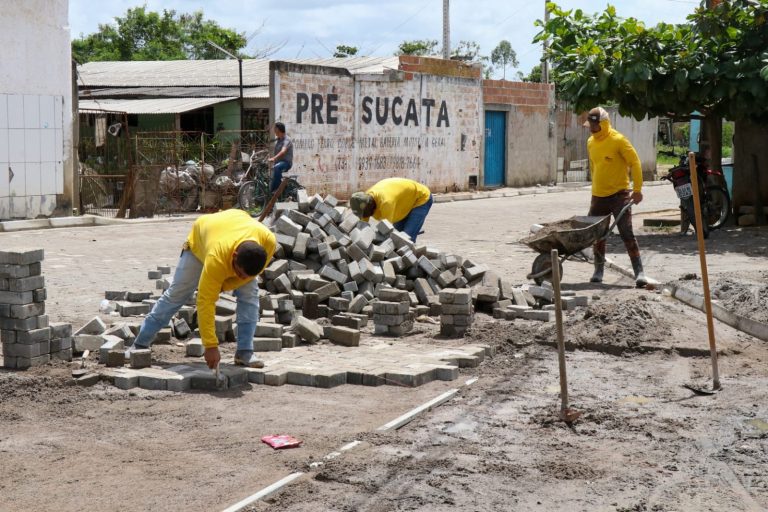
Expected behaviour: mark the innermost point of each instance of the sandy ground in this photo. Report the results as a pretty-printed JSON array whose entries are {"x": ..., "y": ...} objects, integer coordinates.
[{"x": 643, "y": 443}]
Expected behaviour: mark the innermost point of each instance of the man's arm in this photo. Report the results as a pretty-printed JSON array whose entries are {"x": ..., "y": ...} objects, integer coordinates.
[
  {"x": 635, "y": 168},
  {"x": 208, "y": 290}
]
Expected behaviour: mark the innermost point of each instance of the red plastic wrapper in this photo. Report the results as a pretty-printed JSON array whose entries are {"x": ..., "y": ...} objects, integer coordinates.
[{"x": 278, "y": 442}]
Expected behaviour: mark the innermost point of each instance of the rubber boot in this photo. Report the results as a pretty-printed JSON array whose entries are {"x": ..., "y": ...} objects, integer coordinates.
[
  {"x": 637, "y": 266},
  {"x": 597, "y": 277}
]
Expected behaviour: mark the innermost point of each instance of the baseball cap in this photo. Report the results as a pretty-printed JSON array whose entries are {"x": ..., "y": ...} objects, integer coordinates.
[
  {"x": 358, "y": 202},
  {"x": 596, "y": 115}
]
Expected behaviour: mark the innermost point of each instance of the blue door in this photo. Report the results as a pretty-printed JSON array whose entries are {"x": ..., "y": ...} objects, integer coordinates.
[{"x": 495, "y": 147}]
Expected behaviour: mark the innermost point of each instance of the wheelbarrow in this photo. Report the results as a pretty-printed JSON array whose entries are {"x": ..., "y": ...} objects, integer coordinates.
[{"x": 570, "y": 237}]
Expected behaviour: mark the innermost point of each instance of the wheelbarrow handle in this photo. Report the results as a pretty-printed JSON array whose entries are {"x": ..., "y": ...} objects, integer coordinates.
[{"x": 618, "y": 218}]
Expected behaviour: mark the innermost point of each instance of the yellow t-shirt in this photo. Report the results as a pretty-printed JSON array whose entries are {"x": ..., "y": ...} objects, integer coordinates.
[
  {"x": 610, "y": 155},
  {"x": 213, "y": 240},
  {"x": 396, "y": 197}
]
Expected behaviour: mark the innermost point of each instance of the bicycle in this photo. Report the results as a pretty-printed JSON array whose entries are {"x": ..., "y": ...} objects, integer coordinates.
[{"x": 253, "y": 186}]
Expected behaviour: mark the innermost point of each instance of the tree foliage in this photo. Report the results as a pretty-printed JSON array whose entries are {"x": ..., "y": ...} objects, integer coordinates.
[
  {"x": 717, "y": 63},
  {"x": 533, "y": 76},
  {"x": 503, "y": 55},
  {"x": 149, "y": 35},
  {"x": 420, "y": 47},
  {"x": 343, "y": 50}
]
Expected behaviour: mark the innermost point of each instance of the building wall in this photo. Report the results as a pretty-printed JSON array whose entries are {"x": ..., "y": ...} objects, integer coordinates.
[
  {"x": 227, "y": 115},
  {"x": 156, "y": 122},
  {"x": 36, "y": 162},
  {"x": 531, "y": 142},
  {"x": 427, "y": 127}
]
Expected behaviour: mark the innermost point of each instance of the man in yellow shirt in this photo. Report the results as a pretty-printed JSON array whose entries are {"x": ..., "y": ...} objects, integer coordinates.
[
  {"x": 610, "y": 157},
  {"x": 224, "y": 251},
  {"x": 403, "y": 202}
]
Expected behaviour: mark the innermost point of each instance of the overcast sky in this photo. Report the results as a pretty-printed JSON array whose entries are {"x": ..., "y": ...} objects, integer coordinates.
[{"x": 310, "y": 29}]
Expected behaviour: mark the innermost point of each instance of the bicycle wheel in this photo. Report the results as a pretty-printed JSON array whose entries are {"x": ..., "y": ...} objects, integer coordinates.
[
  {"x": 718, "y": 206},
  {"x": 251, "y": 197}
]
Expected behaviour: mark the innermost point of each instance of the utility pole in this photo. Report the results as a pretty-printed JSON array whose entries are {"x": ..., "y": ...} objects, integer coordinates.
[
  {"x": 240, "y": 76},
  {"x": 446, "y": 30},
  {"x": 544, "y": 61}
]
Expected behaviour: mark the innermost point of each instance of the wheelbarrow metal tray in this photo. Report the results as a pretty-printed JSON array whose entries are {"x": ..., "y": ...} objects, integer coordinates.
[{"x": 568, "y": 236}]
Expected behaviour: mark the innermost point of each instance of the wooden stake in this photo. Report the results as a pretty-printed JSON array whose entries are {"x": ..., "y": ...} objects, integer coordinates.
[
  {"x": 560, "y": 336},
  {"x": 704, "y": 274}
]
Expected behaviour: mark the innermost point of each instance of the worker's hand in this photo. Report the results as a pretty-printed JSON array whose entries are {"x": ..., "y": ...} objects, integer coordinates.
[
  {"x": 270, "y": 159},
  {"x": 637, "y": 197},
  {"x": 212, "y": 357}
]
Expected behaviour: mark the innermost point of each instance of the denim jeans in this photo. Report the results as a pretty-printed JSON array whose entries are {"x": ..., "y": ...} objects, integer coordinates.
[
  {"x": 277, "y": 174},
  {"x": 414, "y": 221},
  {"x": 182, "y": 288}
]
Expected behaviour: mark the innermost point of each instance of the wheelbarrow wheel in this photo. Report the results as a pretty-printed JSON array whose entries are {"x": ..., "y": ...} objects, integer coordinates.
[{"x": 543, "y": 262}]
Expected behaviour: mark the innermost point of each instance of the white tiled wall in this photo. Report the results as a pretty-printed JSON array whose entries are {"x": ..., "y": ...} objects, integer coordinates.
[{"x": 31, "y": 153}]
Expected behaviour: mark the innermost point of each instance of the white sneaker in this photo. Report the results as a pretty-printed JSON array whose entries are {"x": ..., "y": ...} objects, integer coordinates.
[
  {"x": 132, "y": 349},
  {"x": 249, "y": 359}
]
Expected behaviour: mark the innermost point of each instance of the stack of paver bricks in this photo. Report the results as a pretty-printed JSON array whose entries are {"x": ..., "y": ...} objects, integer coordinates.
[
  {"x": 28, "y": 339},
  {"x": 456, "y": 313},
  {"x": 329, "y": 263}
]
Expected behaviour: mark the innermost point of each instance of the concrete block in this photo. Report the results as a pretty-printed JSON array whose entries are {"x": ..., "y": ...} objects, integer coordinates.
[
  {"x": 311, "y": 303},
  {"x": 115, "y": 358},
  {"x": 487, "y": 293},
  {"x": 137, "y": 296},
  {"x": 115, "y": 295},
  {"x": 276, "y": 268},
  {"x": 267, "y": 344},
  {"x": 21, "y": 311},
  {"x": 288, "y": 227},
  {"x": 357, "y": 304},
  {"x": 344, "y": 336},
  {"x": 541, "y": 292},
  {"x": 125, "y": 379},
  {"x": 410, "y": 377},
  {"x": 390, "y": 320},
  {"x": 63, "y": 355},
  {"x": 194, "y": 348},
  {"x": 83, "y": 342},
  {"x": 290, "y": 340},
  {"x": 338, "y": 304},
  {"x": 474, "y": 272},
  {"x": 140, "y": 358},
  {"x": 7, "y": 297},
  {"x": 452, "y": 330},
  {"x": 329, "y": 379},
  {"x": 456, "y": 309},
  {"x": 282, "y": 283},
  {"x": 536, "y": 314},
  {"x": 59, "y": 344},
  {"x": 446, "y": 295},
  {"x": 94, "y": 326},
  {"x": 307, "y": 329},
  {"x": 110, "y": 343},
  {"x": 132, "y": 309},
  {"x": 153, "y": 379},
  {"x": 286, "y": 242},
  {"x": 332, "y": 274},
  {"x": 327, "y": 291},
  {"x": 21, "y": 256},
  {"x": 390, "y": 308},
  {"x": 463, "y": 296},
  {"x": 180, "y": 328},
  {"x": 120, "y": 330},
  {"x": 269, "y": 330},
  {"x": 301, "y": 245}
]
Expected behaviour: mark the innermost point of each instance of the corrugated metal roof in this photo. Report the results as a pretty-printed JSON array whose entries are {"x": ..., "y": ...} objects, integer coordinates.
[
  {"x": 175, "y": 92},
  {"x": 188, "y": 73},
  {"x": 149, "y": 106}
]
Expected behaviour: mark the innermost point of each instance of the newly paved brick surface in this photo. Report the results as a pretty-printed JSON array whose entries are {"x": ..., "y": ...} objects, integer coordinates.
[{"x": 373, "y": 363}]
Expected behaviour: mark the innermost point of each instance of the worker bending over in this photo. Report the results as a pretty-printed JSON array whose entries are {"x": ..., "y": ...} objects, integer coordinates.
[
  {"x": 403, "y": 202},
  {"x": 224, "y": 251}
]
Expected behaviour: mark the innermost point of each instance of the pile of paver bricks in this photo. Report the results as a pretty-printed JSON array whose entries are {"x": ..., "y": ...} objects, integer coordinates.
[{"x": 28, "y": 338}]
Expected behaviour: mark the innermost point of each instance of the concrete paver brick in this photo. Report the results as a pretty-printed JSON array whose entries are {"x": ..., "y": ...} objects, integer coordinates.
[
  {"x": 194, "y": 348},
  {"x": 83, "y": 342},
  {"x": 344, "y": 336},
  {"x": 267, "y": 344},
  {"x": 140, "y": 358}
]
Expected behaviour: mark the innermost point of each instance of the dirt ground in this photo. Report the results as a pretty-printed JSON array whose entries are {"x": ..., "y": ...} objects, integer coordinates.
[{"x": 643, "y": 443}]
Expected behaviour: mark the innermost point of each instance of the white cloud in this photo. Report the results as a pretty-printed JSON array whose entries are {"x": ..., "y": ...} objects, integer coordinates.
[{"x": 312, "y": 28}]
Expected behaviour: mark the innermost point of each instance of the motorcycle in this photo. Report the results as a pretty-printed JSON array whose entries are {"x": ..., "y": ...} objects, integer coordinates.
[{"x": 715, "y": 200}]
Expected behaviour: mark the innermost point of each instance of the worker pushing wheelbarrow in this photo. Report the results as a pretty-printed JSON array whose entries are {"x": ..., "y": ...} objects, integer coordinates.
[{"x": 570, "y": 237}]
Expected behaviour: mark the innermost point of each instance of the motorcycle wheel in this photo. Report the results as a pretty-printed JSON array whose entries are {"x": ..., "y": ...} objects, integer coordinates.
[
  {"x": 687, "y": 204},
  {"x": 250, "y": 197},
  {"x": 718, "y": 206},
  {"x": 685, "y": 222}
]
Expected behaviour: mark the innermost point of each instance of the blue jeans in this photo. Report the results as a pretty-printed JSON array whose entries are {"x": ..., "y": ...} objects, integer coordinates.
[
  {"x": 413, "y": 222},
  {"x": 277, "y": 174},
  {"x": 182, "y": 288}
]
